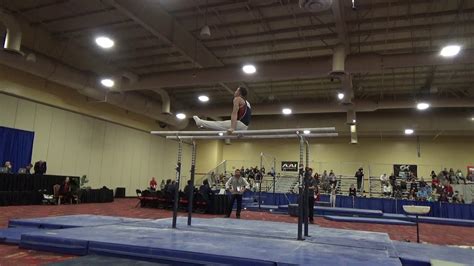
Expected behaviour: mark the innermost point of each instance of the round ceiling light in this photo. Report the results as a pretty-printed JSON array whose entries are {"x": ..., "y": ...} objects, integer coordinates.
[
  {"x": 340, "y": 95},
  {"x": 286, "y": 111},
  {"x": 450, "y": 50},
  {"x": 180, "y": 116},
  {"x": 422, "y": 106},
  {"x": 409, "y": 131},
  {"x": 109, "y": 83},
  {"x": 203, "y": 98},
  {"x": 249, "y": 69},
  {"x": 104, "y": 42}
]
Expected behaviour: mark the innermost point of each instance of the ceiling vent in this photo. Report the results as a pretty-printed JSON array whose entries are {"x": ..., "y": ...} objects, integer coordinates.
[{"x": 315, "y": 5}]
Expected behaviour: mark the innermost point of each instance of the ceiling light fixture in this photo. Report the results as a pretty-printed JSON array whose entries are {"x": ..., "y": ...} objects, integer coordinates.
[
  {"x": 450, "y": 50},
  {"x": 286, "y": 111},
  {"x": 306, "y": 132},
  {"x": 409, "y": 131},
  {"x": 340, "y": 95},
  {"x": 104, "y": 42},
  {"x": 221, "y": 134},
  {"x": 422, "y": 106},
  {"x": 109, "y": 83},
  {"x": 180, "y": 116},
  {"x": 249, "y": 69},
  {"x": 203, "y": 98}
]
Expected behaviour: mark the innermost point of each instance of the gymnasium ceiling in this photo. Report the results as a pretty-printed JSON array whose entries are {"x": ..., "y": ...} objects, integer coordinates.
[{"x": 159, "y": 40}]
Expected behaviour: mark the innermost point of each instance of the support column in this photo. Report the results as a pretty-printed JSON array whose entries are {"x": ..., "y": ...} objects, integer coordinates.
[
  {"x": 306, "y": 192},
  {"x": 300, "y": 191}
]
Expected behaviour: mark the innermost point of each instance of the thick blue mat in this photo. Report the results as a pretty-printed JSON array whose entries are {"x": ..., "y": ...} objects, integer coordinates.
[
  {"x": 70, "y": 221},
  {"x": 422, "y": 254},
  {"x": 367, "y": 220},
  {"x": 430, "y": 220},
  {"x": 321, "y": 210},
  {"x": 13, "y": 235},
  {"x": 219, "y": 241}
]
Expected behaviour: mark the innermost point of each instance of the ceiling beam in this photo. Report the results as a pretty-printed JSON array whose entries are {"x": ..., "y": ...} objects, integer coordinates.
[
  {"x": 151, "y": 16},
  {"x": 317, "y": 67},
  {"x": 340, "y": 19}
]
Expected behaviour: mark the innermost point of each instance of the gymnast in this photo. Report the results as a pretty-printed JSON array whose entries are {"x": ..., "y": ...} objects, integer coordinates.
[{"x": 239, "y": 119}]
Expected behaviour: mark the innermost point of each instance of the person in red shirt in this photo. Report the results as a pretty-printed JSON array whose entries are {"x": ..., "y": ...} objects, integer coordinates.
[
  {"x": 153, "y": 184},
  {"x": 449, "y": 190},
  {"x": 434, "y": 182}
]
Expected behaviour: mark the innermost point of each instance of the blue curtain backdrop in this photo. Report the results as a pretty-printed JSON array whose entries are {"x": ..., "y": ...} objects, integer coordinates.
[{"x": 16, "y": 146}]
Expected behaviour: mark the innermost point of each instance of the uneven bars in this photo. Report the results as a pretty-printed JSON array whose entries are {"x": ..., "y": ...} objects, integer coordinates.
[
  {"x": 245, "y": 132},
  {"x": 285, "y": 136}
]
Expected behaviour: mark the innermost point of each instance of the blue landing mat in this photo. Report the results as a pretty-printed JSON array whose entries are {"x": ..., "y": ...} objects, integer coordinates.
[
  {"x": 70, "y": 221},
  {"x": 321, "y": 210},
  {"x": 13, "y": 235},
  {"x": 422, "y": 254},
  {"x": 156, "y": 241},
  {"x": 367, "y": 220},
  {"x": 430, "y": 220},
  {"x": 277, "y": 230}
]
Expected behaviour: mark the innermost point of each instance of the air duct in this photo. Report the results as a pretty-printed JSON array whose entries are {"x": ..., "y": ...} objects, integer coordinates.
[
  {"x": 87, "y": 85},
  {"x": 338, "y": 61},
  {"x": 165, "y": 101},
  {"x": 13, "y": 37}
]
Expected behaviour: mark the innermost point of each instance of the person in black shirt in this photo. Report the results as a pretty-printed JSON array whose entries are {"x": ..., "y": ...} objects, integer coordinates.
[
  {"x": 352, "y": 191},
  {"x": 40, "y": 168},
  {"x": 188, "y": 189},
  {"x": 311, "y": 184},
  {"x": 360, "y": 176}
]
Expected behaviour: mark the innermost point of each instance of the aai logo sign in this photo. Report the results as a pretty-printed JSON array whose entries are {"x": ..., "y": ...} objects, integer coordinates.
[{"x": 289, "y": 166}]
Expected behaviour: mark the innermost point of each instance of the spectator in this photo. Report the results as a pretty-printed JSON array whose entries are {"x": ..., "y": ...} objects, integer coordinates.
[
  {"x": 387, "y": 190},
  {"x": 397, "y": 192},
  {"x": 237, "y": 186},
  {"x": 422, "y": 183},
  {"x": 433, "y": 174},
  {"x": 452, "y": 176},
  {"x": 162, "y": 185},
  {"x": 352, "y": 191},
  {"x": 153, "y": 184},
  {"x": 213, "y": 178},
  {"x": 9, "y": 167},
  {"x": 311, "y": 184},
  {"x": 393, "y": 180},
  {"x": 40, "y": 167},
  {"x": 434, "y": 182},
  {"x": 332, "y": 198},
  {"x": 470, "y": 177},
  {"x": 359, "y": 175},
  {"x": 443, "y": 197},
  {"x": 460, "y": 176},
  {"x": 28, "y": 169},
  {"x": 324, "y": 176},
  {"x": 171, "y": 189},
  {"x": 332, "y": 178},
  {"x": 448, "y": 189},
  {"x": 168, "y": 183},
  {"x": 458, "y": 198},
  {"x": 188, "y": 189},
  {"x": 384, "y": 179},
  {"x": 242, "y": 171},
  {"x": 412, "y": 195},
  {"x": 317, "y": 179},
  {"x": 65, "y": 190},
  {"x": 205, "y": 190}
]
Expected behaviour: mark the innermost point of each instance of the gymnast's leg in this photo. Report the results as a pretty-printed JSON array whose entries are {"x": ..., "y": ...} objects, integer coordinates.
[{"x": 218, "y": 125}]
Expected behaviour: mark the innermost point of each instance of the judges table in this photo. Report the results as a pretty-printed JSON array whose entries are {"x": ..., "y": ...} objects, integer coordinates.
[{"x": 22, "y": 189}]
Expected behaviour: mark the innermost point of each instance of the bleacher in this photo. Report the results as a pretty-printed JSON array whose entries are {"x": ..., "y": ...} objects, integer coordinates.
[{"x": 286, "y": 184}]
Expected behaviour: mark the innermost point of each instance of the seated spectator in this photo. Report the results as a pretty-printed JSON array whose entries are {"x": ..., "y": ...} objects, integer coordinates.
[
  {"x": 443, "y": 197},
  {"x": 414, "y": 185},
  {"x": 452, "y": 177},
  {"x": 460, "y": 176},
  {"x": 387, "y": 190},
  {"x": 65, "y": 190},
  {"x": 9, "y": 167},
  {"x": 412, "y": 195},
  {"x": 448, "y": 189},
  {"x": 153, "y": 184},
  {"x": 317, "y": 179},
  {"x": 168, "y": 183},
  {"x": 324, "y": 177},
  {"x": 162, "y": 184},
  {"x": 422, "y": 183},
  {"x": 458, "y": 198},
  {"x": 397, "y": 192},
  {"x": 433, "y": 174},
  {"x": 205, "y": 190},
  {"x": 352, "y": 191},
  {"x": 40, "y": 167},
  {"x": 424, "y": 193},
  {"x": 434, "y": 182},
  {"x": 171, "y": 189},
  {"x": 28, "y": 169}
]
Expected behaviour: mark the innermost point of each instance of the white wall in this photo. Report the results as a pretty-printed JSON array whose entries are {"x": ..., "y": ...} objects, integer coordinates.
[{"x": 109, "y": 154}]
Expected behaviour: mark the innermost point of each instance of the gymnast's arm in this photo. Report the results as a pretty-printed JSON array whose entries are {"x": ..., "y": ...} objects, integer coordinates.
[
  {"x": 233, "y": 116},
  {"x": 247, "y": 185}
]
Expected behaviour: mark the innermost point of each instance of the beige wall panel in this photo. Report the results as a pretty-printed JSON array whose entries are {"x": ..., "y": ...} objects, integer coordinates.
[
  {"x": 56, "y": 142},
  {"x": 25, "y": 115},
  {"x": 8, "y": 108},
  {"x": 42, "y": 128}
]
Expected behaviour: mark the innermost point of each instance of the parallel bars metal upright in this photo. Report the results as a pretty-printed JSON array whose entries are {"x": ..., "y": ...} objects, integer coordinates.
[
  {"x": 193, "y": 171},
  {"x": 300, "y": 191},
  {"x": 178, "y": 178}
]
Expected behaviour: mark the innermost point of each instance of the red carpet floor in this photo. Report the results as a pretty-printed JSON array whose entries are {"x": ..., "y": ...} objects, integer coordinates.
[{"x": 12, "y": 255}]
